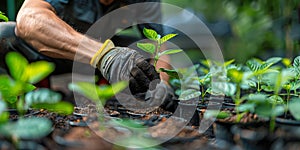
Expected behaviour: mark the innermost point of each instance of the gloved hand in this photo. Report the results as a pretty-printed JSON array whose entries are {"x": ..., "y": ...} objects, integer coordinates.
[
  {"x": 122, "y": 63},
  {"x": 162, "y": 96}
]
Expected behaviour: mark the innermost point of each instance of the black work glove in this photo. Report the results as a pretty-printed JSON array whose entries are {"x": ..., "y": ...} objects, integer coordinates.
[{"x": 122, "y": 63}]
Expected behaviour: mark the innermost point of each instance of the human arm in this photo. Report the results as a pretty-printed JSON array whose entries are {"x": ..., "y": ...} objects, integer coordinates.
[{"x": 38, "y": 25}]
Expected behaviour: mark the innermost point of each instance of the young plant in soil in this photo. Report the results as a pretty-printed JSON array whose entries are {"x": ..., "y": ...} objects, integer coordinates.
[
  {"x": 259, "y": 68},
  {"x": 17, "y": 92},
  {"x": 154, "y": 47},
  {"x": 275, "y": 82},
  {"x": 98, "y": 94}
]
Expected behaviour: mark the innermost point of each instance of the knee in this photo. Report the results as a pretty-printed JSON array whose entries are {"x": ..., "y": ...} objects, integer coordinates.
[{"x": 7, "y": 29}]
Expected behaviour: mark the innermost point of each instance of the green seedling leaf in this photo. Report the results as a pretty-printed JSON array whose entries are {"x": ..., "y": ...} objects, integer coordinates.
[
  {"x": 97, "y": 93},
  {"x": 266, "y": 110},
  {"x": 216, "y": 114},
  {"x": 226, "y": 88},
  {"x": 294, "y": 105},
  {"x": 286, "y": 62},
  {"x": 257, "y": 98},
  {"x": 88, "y": 90},
  {"x": 16, "y": 64},
  {"x": 61, "y": 107},
  {"x": 4, "y": 116},
  {"x": 235, "y": 75},
  {"x": 247, "y": 107},
  {"x": 295, "y": 85},
  {"x": 189, "y": 94},
  {"x": 296, "y": 65},
  {"x": 10, "y": 89},
  {"x": 171, "y": 73},
  {"x": 37, "y": 71},
  {"x": 275, "y": 99},
  {"x": 229, "y": 62},
  {"x": 147, "y": 47},
  {"x": 170, "y": 51},
  {"x": 27, "y": 128},
  {"x": 150, "y": 34},
  {"x": 106, "y": 92},
  {"x": 42, "y": 95},
  {"x": 3, "y": 17},
  {"x": 127, "y": 123},
  {"x": 166, "y": 38},
  {"x": 273, "y": 60}
]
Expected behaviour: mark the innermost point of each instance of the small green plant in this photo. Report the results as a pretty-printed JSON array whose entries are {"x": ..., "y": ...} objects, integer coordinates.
[
  {"x": 18, "y": 90},
  {"x": 3, "y": 17},
  {"x": 154, "y": 47},
  {"x": 259, "y": 68},
  {"x": 98, "y": 94}
]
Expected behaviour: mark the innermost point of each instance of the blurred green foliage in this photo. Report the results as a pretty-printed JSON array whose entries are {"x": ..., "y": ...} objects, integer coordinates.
[{"x": 260, "y": 28}]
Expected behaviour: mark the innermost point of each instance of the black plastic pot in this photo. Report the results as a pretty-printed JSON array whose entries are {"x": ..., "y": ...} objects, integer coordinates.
[
  {"x": 251, "y": 137},
  {"x": 184, "y": 106},
  {"x": 222, "y": 131}
]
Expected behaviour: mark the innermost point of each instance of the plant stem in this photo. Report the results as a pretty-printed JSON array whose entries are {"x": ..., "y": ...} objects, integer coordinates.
[{"x": 156, "y": 53}]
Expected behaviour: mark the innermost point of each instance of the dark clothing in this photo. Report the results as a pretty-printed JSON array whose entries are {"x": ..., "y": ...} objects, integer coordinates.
[{"x": 81, "y": 14}]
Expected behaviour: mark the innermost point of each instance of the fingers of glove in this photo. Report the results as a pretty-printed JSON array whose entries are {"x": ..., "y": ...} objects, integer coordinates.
[
  {"x": 148, "y": 69},
  {"x": 138, "y": 81}
]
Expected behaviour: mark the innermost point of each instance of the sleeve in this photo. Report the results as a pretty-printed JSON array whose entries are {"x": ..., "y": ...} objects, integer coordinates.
[
  {"x": 58, "y": 5},
  {"x": 151, "y": 13}
]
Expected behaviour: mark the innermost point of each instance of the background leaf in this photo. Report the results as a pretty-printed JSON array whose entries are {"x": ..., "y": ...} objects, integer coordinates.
[
  {"x": 42, "y": 95},
  {"x": 16, "y": 64},
  {"x": 27, "y": 128},
  {"x": 294, "y": 105},
  {"x": 64, "y": 108},
  {"x": 37, "y": 71}
]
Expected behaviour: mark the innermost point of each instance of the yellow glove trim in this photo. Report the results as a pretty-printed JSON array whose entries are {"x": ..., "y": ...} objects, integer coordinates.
[{"x": 106, "y": 47}]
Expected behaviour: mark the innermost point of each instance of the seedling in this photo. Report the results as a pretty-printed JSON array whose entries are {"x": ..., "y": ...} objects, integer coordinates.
[
  {"x": 259, "y": 68},
  {"x": 154, "y": 47},
  {"x": 15, "y": 89},
  {"x": 98, "y": 94}
]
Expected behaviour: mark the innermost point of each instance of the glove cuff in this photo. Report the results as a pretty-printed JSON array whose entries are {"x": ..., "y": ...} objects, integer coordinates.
[{"x": 106, "y": 47}]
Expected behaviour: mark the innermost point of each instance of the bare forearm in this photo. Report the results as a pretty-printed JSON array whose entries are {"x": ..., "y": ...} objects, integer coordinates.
[{"x": 38, "y": 25}]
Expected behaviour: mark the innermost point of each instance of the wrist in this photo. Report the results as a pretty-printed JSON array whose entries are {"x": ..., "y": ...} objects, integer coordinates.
[{"x": 106, "y": 47}]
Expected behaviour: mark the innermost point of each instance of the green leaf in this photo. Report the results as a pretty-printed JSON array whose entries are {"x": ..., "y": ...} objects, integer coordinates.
[
  {"x": 9, "y": 89},
  {"x": 97, "y": 93},
  {"x": 247, "y": 107},
  {"x": 147, "y": 47},
  {"x": 226, "y": 88},
  {"x": 170, "y": 51},
  {"x": 3, "y": 17},
  {"x": 257, "y": 98},
  {"x": 216, "y": 114},
  {"x": 294, "y": 105},
  {"x": 127, "y": 123},
  {"x": 189, "y": 94},
  {"x": 171, "y": 73},
  {"x": 107, "y": 91},
  {"x": 64, "y": 108},
  {"x": 296, "y": 65},
  {"x": 42, "y": 95},
  {"x": 88, "y": 90},
  {"x": 273, "y": 60},
  {"x": 286, "y": 61},
  {"x": 266, "y": 110},
  {"x": 166, "y": 38},
  {"x": 27, "y": 128},
  {"x": 235, "y": 75},
  {"x": 37, "y": 71},
  {"x": 4, "y": 116},
  {"x": 150, "y": 34},
  {"x": 16, "y": 64},
  {"x": 275, "y": 99}
]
